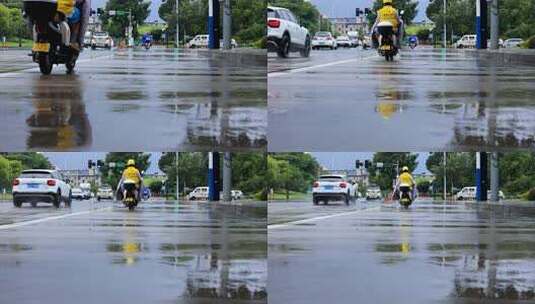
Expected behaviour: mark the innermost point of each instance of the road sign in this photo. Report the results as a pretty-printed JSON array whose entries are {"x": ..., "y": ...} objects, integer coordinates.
[
  {"x": 111, "y": 13},
  {"x": 379, "y": 165}
]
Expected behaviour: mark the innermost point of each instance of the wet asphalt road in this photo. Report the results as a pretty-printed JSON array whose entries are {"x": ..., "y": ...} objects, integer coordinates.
[
  {"x": 133, "y": 100},
  {"x": 161, "y": 253},
  {"x": 426, "y": 100},
  {"x": 378, "y": 253}
]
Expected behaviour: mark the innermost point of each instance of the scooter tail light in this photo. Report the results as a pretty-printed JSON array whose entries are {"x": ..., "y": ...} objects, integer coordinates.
[{"x": 51, "y": 182}]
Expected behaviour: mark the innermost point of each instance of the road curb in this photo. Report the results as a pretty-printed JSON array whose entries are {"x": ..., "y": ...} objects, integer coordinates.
[
  {"x": 503, "y": 57},
  {"x": 252, "y": 204},
  {"x": 238, "y": 57}
]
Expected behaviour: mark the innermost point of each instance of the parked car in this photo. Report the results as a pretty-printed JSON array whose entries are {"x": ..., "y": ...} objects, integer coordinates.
[
  {"x": 38, "y": 185},
  {"x": 374, "y": 193},
  {"x": 324, "y": 40},
  {"x": 201, "y": 41},
  {"x": 285, "y": 34},
  {"x": 512, "y": 43},
  {"x": 104, "y": 193},
  {"x": 87, "y": 38},
  {"x": 78, "y": 194},
  {"x": 469, "y": 193},
  {"x": 333, "y": 188},
  {"x": 466, "y": 41},
  {"x": 199, "y": 193},
  {"x": 101, "y": 40},
  {"x": 343, "y": 41},
  {"x": 237, "y": 194}
]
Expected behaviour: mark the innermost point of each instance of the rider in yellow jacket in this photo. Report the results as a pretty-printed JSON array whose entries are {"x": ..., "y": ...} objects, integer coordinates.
[
  {"x": 131, "y": 173},
  {"x": 389, "y": 14},
  {"x": 405, "y": 179}
]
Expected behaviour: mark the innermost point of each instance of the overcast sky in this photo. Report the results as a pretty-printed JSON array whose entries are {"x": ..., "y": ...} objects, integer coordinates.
[
  {"x": 78, "y": 160},
  {"x": 332, "y": 8},
  {"x": 346, "y": 160},
  {"x": 346, "y": 8}
]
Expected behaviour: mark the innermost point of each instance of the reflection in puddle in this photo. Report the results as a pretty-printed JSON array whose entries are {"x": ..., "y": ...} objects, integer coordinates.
[
  {"x": 59, "y": 120},
  {"x": 15, "y": 247}
]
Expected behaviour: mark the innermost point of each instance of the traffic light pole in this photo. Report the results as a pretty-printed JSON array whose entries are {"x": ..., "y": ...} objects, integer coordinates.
[
  {"x": 481, "y": 24},
  {"x": 227, "y": 26},
  {"x": 494, "y": 25},
  {"x": 177, "y": 28}
]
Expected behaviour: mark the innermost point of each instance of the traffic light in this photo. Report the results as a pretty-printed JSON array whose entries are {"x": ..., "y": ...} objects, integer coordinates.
[
  {"x": 100, "y": 11},
  {"x": 358, "y": 12},
  {"x": 100, "y": 163},
  {"x": 367, "y": 11},
  {"x": 90, "y": 164},
  {"x": 367, "y": 164},
  {"x": 92, "y": 12},
  {"x": 358, "y": 164}
]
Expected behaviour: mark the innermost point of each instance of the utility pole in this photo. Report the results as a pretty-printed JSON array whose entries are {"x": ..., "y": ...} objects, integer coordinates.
[
  {"x": 494, "y": 25},
  {"x": 227, "y": 26},
  {"x": 494, "y": 177},
  {"x": 445, "y": 29},
  {"x": 227, "y": 177},
  {"x": 445, "y": 177},
  {"x": 177, "y": 179},
  {"x": 177, "y": 26}
]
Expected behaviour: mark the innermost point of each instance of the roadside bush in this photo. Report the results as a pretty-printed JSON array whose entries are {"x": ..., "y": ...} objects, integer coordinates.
[
  {"x": 261, "y": 43},
  {"x": 529, "y": 43},
  {"x": 531, "y": 195}
]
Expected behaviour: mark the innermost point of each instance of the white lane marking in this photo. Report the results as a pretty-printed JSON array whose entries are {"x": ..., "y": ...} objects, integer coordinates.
[
  {"x": 319, "y": 218},
  {"x": 52, "y": 218},
  {"x": 319, "y": 66},
  {"x": 17, "y": 73}
]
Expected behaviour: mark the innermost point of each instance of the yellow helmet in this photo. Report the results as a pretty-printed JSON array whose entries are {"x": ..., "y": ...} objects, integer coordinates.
[
  {"x": 66, "y": 7},
  {"x": 385, "y": 2},
  {"x": 131, "y": 162},
  {"x": 405, "y": 169}
]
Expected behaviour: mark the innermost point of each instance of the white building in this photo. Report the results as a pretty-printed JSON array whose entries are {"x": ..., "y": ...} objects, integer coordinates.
[{"x": 345, "y": 25}]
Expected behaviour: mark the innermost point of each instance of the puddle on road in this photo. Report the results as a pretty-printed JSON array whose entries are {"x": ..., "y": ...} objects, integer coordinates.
[{"x": 14, "y": 248}]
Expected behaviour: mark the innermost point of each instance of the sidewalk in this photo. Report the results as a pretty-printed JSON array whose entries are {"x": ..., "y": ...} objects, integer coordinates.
[
  {"x": 246, "y": 56},
  {"x": 505, "y": 56}
]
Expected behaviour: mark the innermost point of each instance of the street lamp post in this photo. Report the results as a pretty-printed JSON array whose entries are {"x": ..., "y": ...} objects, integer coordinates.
[
  {"x": 445, "y": 26},
  {"x": 177, "y": 26}
]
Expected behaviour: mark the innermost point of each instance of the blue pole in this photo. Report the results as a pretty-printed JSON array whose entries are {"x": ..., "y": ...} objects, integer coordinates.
[
  {"x": 213, "y": 24},
  {"x": 481, "y": 24},
  {"x": 213, "y": 176},
  {"x": 481, "y": 176}
]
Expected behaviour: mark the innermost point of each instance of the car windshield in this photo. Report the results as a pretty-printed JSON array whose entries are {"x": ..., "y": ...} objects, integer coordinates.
[
  {"x": 331, "y": 178},
  {"x": 35, "y": 174}
]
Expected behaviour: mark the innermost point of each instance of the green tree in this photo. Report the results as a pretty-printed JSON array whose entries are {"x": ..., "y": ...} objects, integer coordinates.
[
  {"x": 9, "y": 170},
  {"x": 249, "y": 173},
  {"x": 112, "y": 175},
  {"x": 29, "y": 160},
  {"x": 283, "y": 176},
  {"x": 385, "y": 177},
  {"x": 192, "y": 170},
  {"x": 116, "y": 25},
  {"x": 307, "y": 13},
  {"x": 460, "y": 170},
  {"x": 156, "y": 187},
  {"x": 460, "y": 16},
  {"x": 409, "y": 8},
  {"x": 5, "y": 20}
]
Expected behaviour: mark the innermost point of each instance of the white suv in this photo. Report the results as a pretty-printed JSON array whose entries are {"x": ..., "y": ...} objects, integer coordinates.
[
  {"x": 285, "y": 35},
  {"x": 38, "y": 185},
  {"x": 324, "y": 40},
  {"x": 333, "y": 187}
]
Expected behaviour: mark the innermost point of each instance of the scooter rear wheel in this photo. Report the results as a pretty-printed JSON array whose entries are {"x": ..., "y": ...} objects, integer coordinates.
[{"x": 45, "y": 65}]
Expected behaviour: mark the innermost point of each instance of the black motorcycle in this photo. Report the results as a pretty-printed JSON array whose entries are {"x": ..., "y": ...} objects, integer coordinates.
[
  {"x": 387, "y": 45},
  {"x": 48, "y": 48},
  {"x": 131, "y": 197},
  {"x": 405, "y": 196}
]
